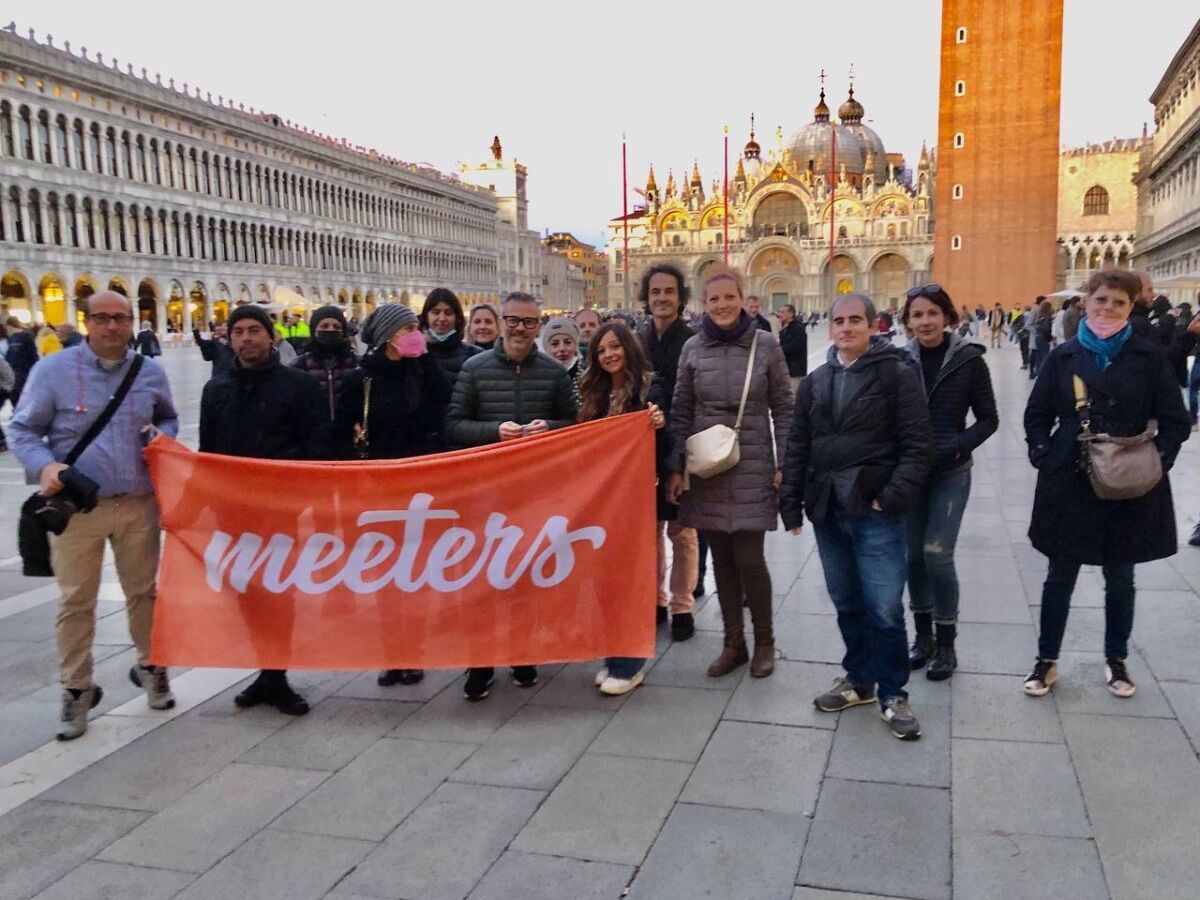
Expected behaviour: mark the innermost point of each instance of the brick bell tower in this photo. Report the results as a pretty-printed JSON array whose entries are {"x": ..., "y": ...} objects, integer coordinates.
[{"x": 996, "y": 190}]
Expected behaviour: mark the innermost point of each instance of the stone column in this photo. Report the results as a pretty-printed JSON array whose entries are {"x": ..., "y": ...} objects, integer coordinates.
[{"x": 23, "y": 214}]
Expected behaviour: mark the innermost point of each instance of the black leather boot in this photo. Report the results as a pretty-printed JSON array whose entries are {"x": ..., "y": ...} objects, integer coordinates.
[
  {"x": 944, "y": 661},
  {"x": 922, "y": 645}
]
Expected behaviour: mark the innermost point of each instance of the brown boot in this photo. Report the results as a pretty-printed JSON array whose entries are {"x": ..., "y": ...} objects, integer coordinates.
[
  {"x": 734, "y": 655},
  {"x": 763, "y": 663}
]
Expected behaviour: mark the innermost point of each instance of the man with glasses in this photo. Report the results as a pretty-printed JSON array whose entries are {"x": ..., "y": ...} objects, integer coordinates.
[
  {"x": 65, "y": 394},
  {"x": 509, "y": 392}
]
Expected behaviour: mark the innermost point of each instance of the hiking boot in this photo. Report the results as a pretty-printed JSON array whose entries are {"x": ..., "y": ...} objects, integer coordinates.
[
  {"x": 616, "y": 686},
  {"x": 1117, "y": 678},
  {"x": 479, "y": 683},
  {"x": 253, "y": 695},
  {"x": 388, "y": 677},
  {"x": 73, "y": 718},
  {"x": 733, "y": 655},
  {"x": 683, "y": 626},
  {"x": 944, "y": 661},
  {"x": 762, "y": 664},
  {"x": 1194, "y": 540},
  {"x": 922, "y": 645},
  {"x": 843, "y": 695},
  {"x": 153, "y": 680},
  {"x": 660, "y": 615},
  {"x": 279, "y": 694},
  {"x": 899, "y": 715},
  {"x": 524, "y": 676},
  {"x": 1042, "y": 678}
]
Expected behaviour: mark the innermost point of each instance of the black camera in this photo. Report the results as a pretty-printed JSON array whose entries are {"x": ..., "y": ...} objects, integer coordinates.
[{"x": 78, "y": 495}]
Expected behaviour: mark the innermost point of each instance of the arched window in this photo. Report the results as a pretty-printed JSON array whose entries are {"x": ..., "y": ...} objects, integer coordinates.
[
  {"x": 957, "y": 192},
  {"x": 1095, "y": 201},
  {"x": 43, "y": 131},
  {"x": 956, "y": 242},
  {"x": 141, "y": 159},
  {"x": 960, "y": 36},
  {"x": 60, "y": 140},
  {"x": 960, "y": 88},
  {"x": 25, "y": 133},
  {"x": 80, "y": 147},
  {"x": 6, "y": 129},
  {"x": 111, "y": 150},
  {"x": 960, "y": 141}
]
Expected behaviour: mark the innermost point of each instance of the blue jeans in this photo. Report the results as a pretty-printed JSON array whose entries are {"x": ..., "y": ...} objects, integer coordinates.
[
  {"x": 933, "y": 525},
  {"x": 624, "y": 666},
  {"x": 1056, "y": 604},
  {"x": 864, "y": 558}
]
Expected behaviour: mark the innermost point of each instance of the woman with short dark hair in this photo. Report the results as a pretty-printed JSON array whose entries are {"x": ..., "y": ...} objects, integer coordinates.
[
  {"x": 1107, "y": 381},
  {"x": 956, "y": 381},
  {"x": 444, "y": 323}
]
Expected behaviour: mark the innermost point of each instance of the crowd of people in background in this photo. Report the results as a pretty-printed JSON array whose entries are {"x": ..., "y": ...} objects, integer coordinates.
[{"x": 873, "y": 448}]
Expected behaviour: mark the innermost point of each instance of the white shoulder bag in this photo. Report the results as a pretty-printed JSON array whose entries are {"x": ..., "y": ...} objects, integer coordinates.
[{"x": 716, "y": 449}]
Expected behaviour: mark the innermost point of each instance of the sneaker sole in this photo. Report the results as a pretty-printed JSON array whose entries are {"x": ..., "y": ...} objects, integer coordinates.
[
  {"x": 1038, "y": 692},
  {"x": 1124, "y": 695},
  {"x": 861, "y": 701},
  {"x": 624, "y": 689}
]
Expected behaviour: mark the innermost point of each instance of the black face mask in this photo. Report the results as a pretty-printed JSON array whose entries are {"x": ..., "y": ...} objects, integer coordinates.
[{"x": 330, "y": 340}]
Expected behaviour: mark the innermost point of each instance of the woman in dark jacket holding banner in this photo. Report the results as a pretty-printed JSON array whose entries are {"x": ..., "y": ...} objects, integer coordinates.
[
  {"x": 618, "y": 379},
  {"x": 392, "y": 407},
  {"x": 735, "y": 508},
  {"x": 956, "y": 381},
  {"x": 1116, "y": 383}
]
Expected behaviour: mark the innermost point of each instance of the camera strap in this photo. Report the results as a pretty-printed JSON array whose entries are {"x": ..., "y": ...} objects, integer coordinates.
[{"x": 108, "y": 412}]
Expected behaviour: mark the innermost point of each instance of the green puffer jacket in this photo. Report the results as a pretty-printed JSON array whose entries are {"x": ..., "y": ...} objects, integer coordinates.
[{"x": 493, "y": 388}]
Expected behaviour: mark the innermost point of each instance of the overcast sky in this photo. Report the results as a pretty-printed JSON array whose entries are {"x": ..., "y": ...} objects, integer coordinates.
[{"x": 432, "y": 82}]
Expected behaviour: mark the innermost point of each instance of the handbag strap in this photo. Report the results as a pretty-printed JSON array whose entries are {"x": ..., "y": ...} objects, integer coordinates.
[
  {"x": 107, "y": 413},
  {"x": 1083, "y": 403},
  {"x": 746, "y": 383},
  {"x": 366, "y": 410}
]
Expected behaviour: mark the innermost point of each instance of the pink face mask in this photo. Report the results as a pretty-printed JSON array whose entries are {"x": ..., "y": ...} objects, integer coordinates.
[
  {"x": 1104, "y": 329},
  {"x": 410, "y": 344}
]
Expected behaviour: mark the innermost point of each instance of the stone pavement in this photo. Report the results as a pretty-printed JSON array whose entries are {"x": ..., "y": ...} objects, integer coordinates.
[{"x": 688, "y": 787}]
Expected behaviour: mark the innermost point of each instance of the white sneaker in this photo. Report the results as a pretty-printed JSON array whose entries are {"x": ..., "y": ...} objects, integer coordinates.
[
  {"x": 616, "y": 686},
  {"x": 602, "y": 676}
]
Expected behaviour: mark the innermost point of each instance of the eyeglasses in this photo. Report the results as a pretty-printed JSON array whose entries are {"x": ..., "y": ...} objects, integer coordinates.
[
  {"x": 528, "y": 324},
  {"x": 925, "y": 290},
  {"x": 104, "y": 319}
]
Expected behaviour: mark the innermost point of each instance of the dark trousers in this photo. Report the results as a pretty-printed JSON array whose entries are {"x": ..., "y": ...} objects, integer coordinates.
[
  {"x": 864, "y": 558},
  {"x": 702, "y": 557},
  {"x": 933, "y": 524},
  {"x": 1056, "y": 604},
  {"x": 1023, "y": 341},
  {"x": 740, "y": 570}
]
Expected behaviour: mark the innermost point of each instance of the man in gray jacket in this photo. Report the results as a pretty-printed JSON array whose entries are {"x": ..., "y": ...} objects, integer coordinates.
[{"x": 509, "y": 392}]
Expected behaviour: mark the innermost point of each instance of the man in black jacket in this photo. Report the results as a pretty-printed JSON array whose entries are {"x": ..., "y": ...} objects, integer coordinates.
[
  {"x": 216, "y": 349},
  {"x": 794, "y": 342},
  {"x": 502, "y": 394},
  {"x": 664, "y": 296},
  {"x": 859, "y": 452},
  {"x": 754, "y": 308},
  {"x": 263, "y": 410}
]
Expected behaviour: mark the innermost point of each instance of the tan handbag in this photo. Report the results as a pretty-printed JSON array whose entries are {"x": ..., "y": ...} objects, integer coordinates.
[
  {"x": 362, "y": 438},
  {"x": 1119, "y": 468},
  {"x": 716, "y": 449}
]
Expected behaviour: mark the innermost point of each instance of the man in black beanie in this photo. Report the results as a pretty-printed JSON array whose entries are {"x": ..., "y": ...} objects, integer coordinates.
[{"x": 263, "y": 410}]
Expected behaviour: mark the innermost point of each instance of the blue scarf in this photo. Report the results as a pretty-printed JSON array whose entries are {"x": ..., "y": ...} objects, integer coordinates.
[{"x": 1103, "y": 349}]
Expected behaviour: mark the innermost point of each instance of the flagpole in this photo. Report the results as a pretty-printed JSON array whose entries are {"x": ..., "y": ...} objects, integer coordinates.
[
  {"x": 625, "y": 218},
  {"x": 832, "y": 198},
  {"x": 725, "y": 193}
]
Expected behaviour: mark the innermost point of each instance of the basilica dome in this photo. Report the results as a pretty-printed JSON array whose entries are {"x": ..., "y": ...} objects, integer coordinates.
[
  {"x": 813, "y": 145},
  {"x": 851, "y": 114}
]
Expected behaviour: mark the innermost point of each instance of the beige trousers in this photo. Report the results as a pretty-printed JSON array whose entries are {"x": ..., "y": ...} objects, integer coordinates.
[
  {"x": 130, "y": 524},
  {"x": 684, "y": 566}
]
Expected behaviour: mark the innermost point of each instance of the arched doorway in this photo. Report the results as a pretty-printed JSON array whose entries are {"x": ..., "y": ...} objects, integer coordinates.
[
  {"x": 780, "y": 213},
  {"x": 840, "y": 277},
  {"x": 147, "y": 303},
  {"x": 175, "y": 308},
  {"x": 197, "y": 305},
  {"x": 220, "y": 307},
  {"x": 119, "y": 285},
  {"x": 776, "y": 269},
  {"x": 890, "y": 277},
  {"x": 15, "y": 297},
  {"x": 54, "y": 299},
  {"x": 85, "y": 286}
]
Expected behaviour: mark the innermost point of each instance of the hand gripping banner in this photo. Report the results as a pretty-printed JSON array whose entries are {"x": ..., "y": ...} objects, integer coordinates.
[{"x": 530, "y": 551}]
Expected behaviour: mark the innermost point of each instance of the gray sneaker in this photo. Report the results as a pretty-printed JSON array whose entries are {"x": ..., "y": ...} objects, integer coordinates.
[
  {"x": 898, "y": 714},
  {"x": 153, "y": 680},
  {"x": 843, "y": 695},
  {"x": 73, "y": 720}
]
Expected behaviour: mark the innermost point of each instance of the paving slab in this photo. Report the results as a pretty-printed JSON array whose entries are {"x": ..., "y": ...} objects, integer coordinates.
[
  {"x": 685, "y": 662},
  {"x": 575, "y": 686},
  {"x": 663, "y": 723},
  {"x": 996, "y": 649},
  {"x": 994, "y": 707},
  {"x": 450, "y": 717},
  {"x": 1165, "y": 627},
  {"x": 1148, "y": 848},
  {"x": 864, "y": 748},
  {"x": 331, "y": 735},
  {"x": 534, "y": 748},
  {"x": 1081, "y": 688},
  {"x": 872, "y": 837},
  {"x": 195, "y": 832},
  {"x": 808, "y": 893},
  {"x": 364, "y": 686},
  {"x": 103, "y": 880},
  {"x": 374, "y": 793},
  {"x": 1185, "y": 701},
  {"x": 24, "y": 725},
  {"x": 1005, "y": 866},
  {"x": 764, "y": 767},
  {"x": 442, "y": 850},
  {"x": 786, "y": 697},
  {"x": 607, "y": 808},
  {"x": 809, "y": 638},
  {"x": 531, "y": 876},
  {"x": 747, "y": 855},
  {"x": 161, "y": 767},
  {"x": 42, "y": 841},
  {"x": 809, "y": 596}
]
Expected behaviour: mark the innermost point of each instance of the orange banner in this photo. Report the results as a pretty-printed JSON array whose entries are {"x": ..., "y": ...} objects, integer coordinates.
[{"x": 530, "y": 551}]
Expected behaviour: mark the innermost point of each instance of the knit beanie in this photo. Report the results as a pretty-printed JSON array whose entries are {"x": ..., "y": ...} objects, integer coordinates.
[
  {"x": 250, "y": 311},
  {"x": 560, "y": 325},
  {"x": 327, "y": 312},
  {"x": 381, "y": 325}
]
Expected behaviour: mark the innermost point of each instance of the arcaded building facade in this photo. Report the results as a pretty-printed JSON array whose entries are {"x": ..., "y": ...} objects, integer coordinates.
[{"x": 193, "y": 204}]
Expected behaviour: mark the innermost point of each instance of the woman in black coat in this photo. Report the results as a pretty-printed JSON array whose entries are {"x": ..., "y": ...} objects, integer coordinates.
[
  {"x": 1128, "y": 381},
  {"x": 956, "y": 381},
  {"x": 392, "y": 407},
  {"x": 443, "y": 322},
  {"x": 1043, "y": 325}
]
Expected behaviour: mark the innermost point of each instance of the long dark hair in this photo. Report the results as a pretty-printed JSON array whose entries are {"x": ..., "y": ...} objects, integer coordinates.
[
  {"x": 596, "y": 386},
  {"x": 447, "y": 296}
]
